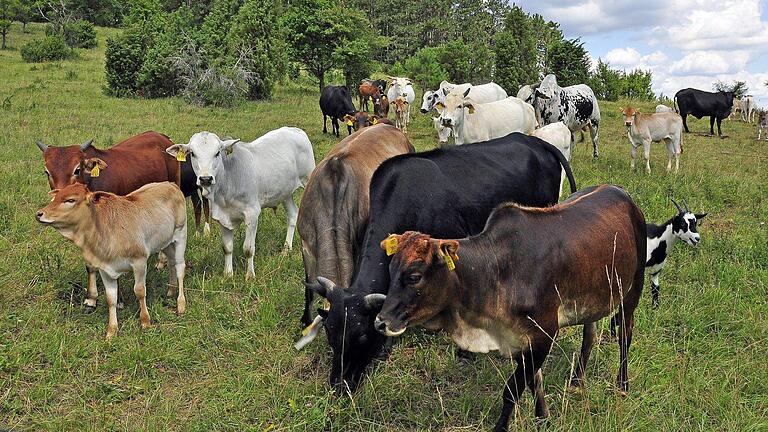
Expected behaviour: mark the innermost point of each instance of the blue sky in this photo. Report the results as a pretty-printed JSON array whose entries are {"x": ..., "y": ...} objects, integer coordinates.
[{"x": 685, "y": 43}]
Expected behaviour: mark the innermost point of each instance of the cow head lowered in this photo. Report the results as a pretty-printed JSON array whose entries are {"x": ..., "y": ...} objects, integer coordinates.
[
  {"x": 348, "y": 322},
  {"x": 205, "y": 153},
  {"x": 684, "y": 224},
  {"x": 452, "y": 112},
  {"x": 67, "y": 165},
  {"x": 419, "y": 271}
]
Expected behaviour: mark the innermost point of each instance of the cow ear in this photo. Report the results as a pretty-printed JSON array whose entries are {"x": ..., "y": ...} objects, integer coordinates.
[
  {"x": 52, "y": 193},
  {"x": 470, "y": 107},
  {"x": 323, "y": 313},
  {"x": 226, "y": 144},
  {"x": 699, "y": 216},
  {"x": 451, "y": 247},
  {"x": 91, "y": 163},
  {"x": 96, "y": 197},
  {"x": 176, "y": 148}
]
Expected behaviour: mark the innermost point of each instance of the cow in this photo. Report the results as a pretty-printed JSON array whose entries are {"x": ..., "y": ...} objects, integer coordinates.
[
  {"x": 483, "y": 93},
  {"x": 559, "y": 136},
  {"x": 200, "y": 204},
  {"x": 443, "y": 133},
  {"x": 642, "y": 129},
  {"x": 399, "y": 86},
  {"x": 748, "y": 109},
  {"x": 121, "y": 169},
  {"x": 117, "y": 234},
  {"x": 256, "y": 175},
  {"x": 359, "y": 119},
  {"x": 380, "y": 83},
  {"x": 526, "y": 92},
  {"x": 505, "y": 290},
  {"x": 699, "y": 103},
  {"x": 367, "y": 91},
  {"x": 762, "y": 124},
  {"x": 575, "y": 105},
  {"x": 474, "y": 122},
  {"x": 402, "y": 107},
  {"x": 381, "y": 120},
  {"x": 431, "y": 97},
  {"x": 440, "y": 192},
  {"x": 663, "y": 108},
  {"x": 736, "y": 108},
  {"x": 335, "y": 103},
  {"x": 381, "y": 106},
  {"x": 661, "y": 239},
  {"x": 334, "y": 207}
]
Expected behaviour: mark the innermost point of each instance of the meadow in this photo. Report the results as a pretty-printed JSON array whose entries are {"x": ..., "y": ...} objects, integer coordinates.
[{"x": 696, "y": 363}]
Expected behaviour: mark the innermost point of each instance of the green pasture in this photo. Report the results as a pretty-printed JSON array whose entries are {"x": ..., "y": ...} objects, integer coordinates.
[{"x": 699, "y": 362}]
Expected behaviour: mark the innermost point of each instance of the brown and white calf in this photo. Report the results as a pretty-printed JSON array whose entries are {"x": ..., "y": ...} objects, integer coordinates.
[
  {"x": 118, "y": 233},
  {"x": 401, "y": 113},
  {"x": 529, "y": 273},
  {"x": 642, "y": 129}
]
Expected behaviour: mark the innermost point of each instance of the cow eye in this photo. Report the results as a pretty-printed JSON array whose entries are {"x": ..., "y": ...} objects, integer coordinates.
[
  {"x": 413, "y": 279},
  {"x": 47, "y": 174},
  {"x": 69, "y": 200},
  {"x": 77, "y": 171}
]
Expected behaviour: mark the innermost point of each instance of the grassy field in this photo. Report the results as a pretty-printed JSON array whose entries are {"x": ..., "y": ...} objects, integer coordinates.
[{"x": 697, "y": 363}]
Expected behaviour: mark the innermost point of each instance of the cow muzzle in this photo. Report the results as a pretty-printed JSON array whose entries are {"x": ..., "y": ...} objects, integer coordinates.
[
  {"x": 40, "y": 216},
  {"x": 446, "y": 122},
  {"x": 628, "y": 124},
  {"x": 206, "y": 181},
  {"x": 423, "y": 111},
  {"x": 382, "y": 327}
]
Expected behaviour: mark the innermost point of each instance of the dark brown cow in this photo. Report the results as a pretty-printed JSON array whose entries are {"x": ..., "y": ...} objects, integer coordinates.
[
  {"x": 122, "y": 169},
  {"x": 381, "y": 106},
  {"x": 334, "y": 208},
  {"x": 529, "y": 273},
  {"x": 367, "y": 91}
]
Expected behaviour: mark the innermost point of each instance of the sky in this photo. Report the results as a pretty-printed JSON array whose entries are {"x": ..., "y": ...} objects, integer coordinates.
[{"x": 685, "y": 43}]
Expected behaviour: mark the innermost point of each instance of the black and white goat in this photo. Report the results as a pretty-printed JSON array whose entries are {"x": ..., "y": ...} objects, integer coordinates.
[{"x": 662, "y": 237}]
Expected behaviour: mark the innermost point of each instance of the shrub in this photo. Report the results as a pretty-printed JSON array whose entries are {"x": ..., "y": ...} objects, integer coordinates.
[
  {"x": 48, "y": 48},
  {"x": 124, "y": 59},
  {"x": 80, "y": 34},
  {"x": 425, "y": 69}
]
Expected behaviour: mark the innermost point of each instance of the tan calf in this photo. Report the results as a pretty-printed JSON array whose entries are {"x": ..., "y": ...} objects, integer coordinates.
[
  {"x": 642, "y": 129},
  {"x": 118, "y": 233},
  {"x": 401, "y": 113}
]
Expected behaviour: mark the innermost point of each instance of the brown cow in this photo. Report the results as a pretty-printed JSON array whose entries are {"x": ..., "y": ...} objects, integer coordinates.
[
  {"x": 401, "y": 113},
  {"x": 367, "y": 91},
  {"x": 127, "y": 166},
  {"x": 334, "y": 208},
  {"x": 381, "y": 106},
  {"x": 529, "y": 273}
]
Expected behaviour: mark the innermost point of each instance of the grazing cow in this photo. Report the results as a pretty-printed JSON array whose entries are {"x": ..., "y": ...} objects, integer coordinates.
[
  {"x": 663, "y": 108},
  {"x": 256, "y": 175},
  {"x": 762, "y": 124},
  {"x": 748, "y": 109},
  {"x": 484, "y": 291},
  {"x": 335, "y": 103},
  {"x": 401, "y": 87},
  {"x": 470, "y": 121},
  {"x": 661, "y": 238},
  {"x": 439, "y": 192},
  {"x": 359, "y": 119},
  {"x": 117, "y": 234},
  {"x": 402, "y": 107},
  {"x": 367, "y": 91},
  {"x": 642, "y": 129},
  {"x": 575, "y": 105},
  {"x": 559, "y": 136},
  {"x": 334, "y": 207},
  {"x": 381, "y": 106},
  {"x": 121, "y": 169},
  {"x": 699, "y": 103}
]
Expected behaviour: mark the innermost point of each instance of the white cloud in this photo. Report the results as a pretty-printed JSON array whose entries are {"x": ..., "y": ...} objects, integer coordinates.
[
  {"x": 630, "y": 58},
  {"x": 709, "y": 63}
]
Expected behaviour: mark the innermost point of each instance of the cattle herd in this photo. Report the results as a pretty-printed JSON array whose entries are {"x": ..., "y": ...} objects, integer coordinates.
[{"x": 467, "y": 239}]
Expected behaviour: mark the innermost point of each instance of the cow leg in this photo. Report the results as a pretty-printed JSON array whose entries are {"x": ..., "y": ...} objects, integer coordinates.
[
  {"x": 249, "y": 244},
  {"x": 207, "y": 215},
  {"x": 161, "y": 261},
  {"x": 634, "y": 157},
  {"x": 325, "y": 128},
  {"x": 685, "y": 121},
  {"x": 528, "y": 366},
  {"x": 537, "y": 391},
  {"x": 140, "y": 289},
  {"x": 92, "y": 292},
  {"x": 593, "y": 132},
  {"x": 711, "y": 125},
  {"x": 227, "y": 243},
  {"x": 655, "y": 289},
  {"x": 291, "y": 214},
  {"x": 589, "y": 335},
  {"x": 647, "y": 155},
  {"x": 197, "y": 207},
  {"x": 110, "y": 287},
  {"x": 335, "y": 124},
  {"x": 719, "y": 132},
  {"x": 175, "y": 252},
  {"x": 626, "y": 321}
]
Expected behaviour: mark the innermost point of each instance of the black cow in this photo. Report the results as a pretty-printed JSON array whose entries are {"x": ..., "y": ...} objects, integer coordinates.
[
  {"x": 699, "y": 103},
  {"x": 447, "y": 192},
  {"x": 199, "y": 203},
  {"x": 335, "y": 103}
]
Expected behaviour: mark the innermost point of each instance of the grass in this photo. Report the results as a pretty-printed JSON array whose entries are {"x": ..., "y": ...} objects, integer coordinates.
[{"x": 697, "y": 363}]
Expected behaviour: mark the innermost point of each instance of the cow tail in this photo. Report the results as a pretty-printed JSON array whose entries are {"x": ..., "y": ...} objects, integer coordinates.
[
  {"x": 346, "y": 209},
  {"x": 674, "y": 103},
  {"x": 564, "y": 162}
]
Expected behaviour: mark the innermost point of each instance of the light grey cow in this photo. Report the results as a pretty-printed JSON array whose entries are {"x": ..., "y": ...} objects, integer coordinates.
[
  {"x": 663, "y": 108},
  {"x": 256, "y": 175},
  {"x": 748, "y": 109},
  {"x": 643, "y": 129}
]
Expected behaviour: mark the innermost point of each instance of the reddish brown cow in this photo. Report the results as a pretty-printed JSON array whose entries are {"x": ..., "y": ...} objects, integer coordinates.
[
  {"x": 381, "y": 106},
  {"x": 122, "y": 169},
  {"x": 367, "y": 91}
]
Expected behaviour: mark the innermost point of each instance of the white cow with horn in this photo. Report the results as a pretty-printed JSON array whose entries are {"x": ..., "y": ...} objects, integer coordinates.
[{"x": 401, "y": 87}]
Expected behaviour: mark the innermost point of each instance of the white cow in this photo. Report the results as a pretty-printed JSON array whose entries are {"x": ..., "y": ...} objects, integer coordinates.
[
  {"x": 401, "y": 87},
  {"x": 430, "y": 98},
  {"x": 443, "y": 133},
  {"x": 748, "y": 109},
  {"x": 559, "y": 136},
  {"x": 256, "y": 175},
  {"x": 472, "y": 122},
  {"x": 642, "y": 129},
  {"x": 663, "y": 108}
]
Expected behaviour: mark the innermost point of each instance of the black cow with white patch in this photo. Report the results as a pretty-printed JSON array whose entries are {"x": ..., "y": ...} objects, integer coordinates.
[
  {"x": 575, "y": 105},
  {"x": 335, "y": 102},
  {"x": 448, "y": 192},
  {"x": 699, "y": 103}
]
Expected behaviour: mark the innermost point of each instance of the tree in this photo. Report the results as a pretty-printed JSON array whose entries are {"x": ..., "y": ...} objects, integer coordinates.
[
  {"x": 739, "y": 88},
  {"x": 606, "y": 82},
  {"x": 569, "y": 61},
  {"x": 425, "y": 69},
  {"x": 353, "y": 54},
  {"x": 637, "y": 85},
  {"x": 515, "y": 51},
  {"x": 8, "y": 11}
]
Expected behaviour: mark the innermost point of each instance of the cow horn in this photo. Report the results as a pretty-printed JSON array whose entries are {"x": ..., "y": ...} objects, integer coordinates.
[
  {"x": 326, "y": 285},
  {"x": 467, "y": 92},
  {"x": 676, "y": 205},
  {"x": 41, "y": 145},
  {"x": 374, "y": 301},
  {"x": 86, "y": 144}
]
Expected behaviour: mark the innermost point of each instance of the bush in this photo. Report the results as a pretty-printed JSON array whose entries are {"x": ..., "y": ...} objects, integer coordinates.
[
  {"x": 425, "y": 69},
  {"x": 203, "y": 85},
  {"x": 48, "y": 48},
  {"x": 80, "y": 34},
  {"x": 124, "y": 59}
]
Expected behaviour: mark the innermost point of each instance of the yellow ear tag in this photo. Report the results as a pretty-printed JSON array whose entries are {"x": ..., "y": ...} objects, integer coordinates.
[
  {"x": 95, "y": 171},
  {"x": 375, "y": 121},
  {"x": 181, "y": 156},
  {"x": 391, "y": 244},
  {"x": 349, "y": 122},
  {"x": 448, "y": 260},
  {"x": 308, "y": 328}
]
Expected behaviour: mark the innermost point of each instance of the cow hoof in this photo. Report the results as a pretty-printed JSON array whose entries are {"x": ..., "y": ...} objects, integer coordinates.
[
  {"x": 576, "y": 385},
  {"x": 88, "y": 309},
  {"x": 206, "y": 229},
  {"x": 145, "y": 326},
  {"x": 120, "y": 305}
]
